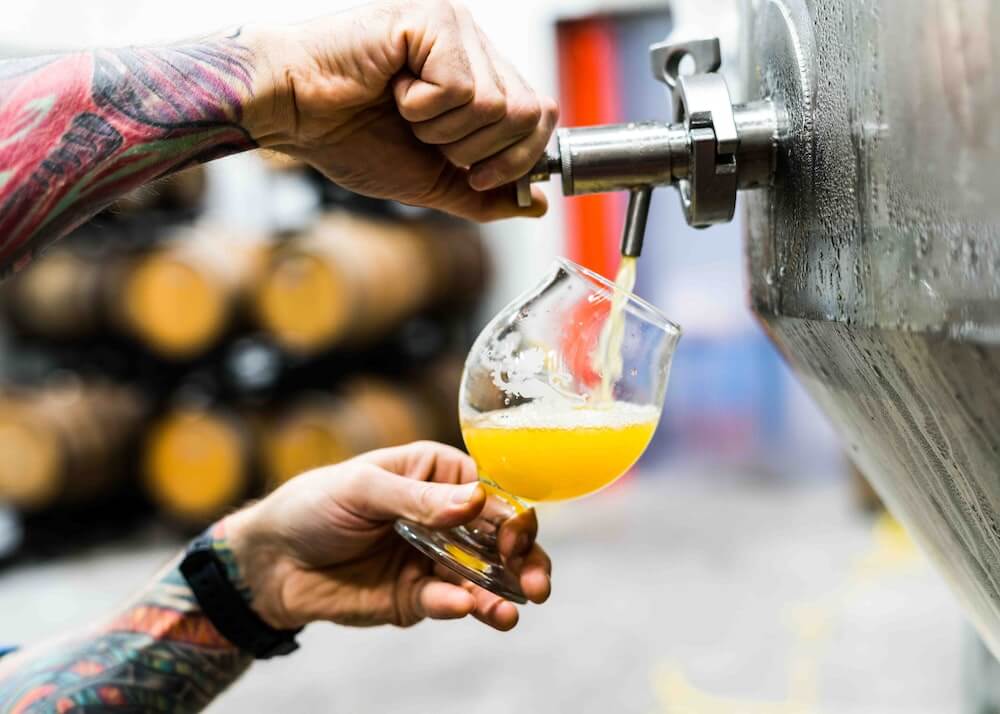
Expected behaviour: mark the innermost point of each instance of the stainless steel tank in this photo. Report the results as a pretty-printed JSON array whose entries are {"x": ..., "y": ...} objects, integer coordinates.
[
  {"x": 866, "y": 141},
  {"x": 874, "y": 259}
]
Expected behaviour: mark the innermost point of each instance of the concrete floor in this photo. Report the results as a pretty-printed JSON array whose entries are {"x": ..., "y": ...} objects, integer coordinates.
[{"x": 707, "y": 595}]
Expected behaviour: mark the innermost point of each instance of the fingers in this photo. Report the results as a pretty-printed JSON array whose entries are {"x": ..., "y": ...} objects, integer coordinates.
[
  {"x": 492, "y": 609},
  {"x": 488, "y": 608},
  {"x": 419, "y": 100},
  {"x": 459, "y": 199},
  {"x": 536, "y": 575},
  {"x": 488, "y": 104},
  {"x": 517, "y": 534},
  {"x": 378, "y": 495},
  {"x": 520, "y": 553},
  {"x": 425, "y": 461},
  {"x": 440, "y": 76},
  {"x": 500, "y": 130},
  {"x": 517, "y": 160},
  {"x": 440, "y": 600}
]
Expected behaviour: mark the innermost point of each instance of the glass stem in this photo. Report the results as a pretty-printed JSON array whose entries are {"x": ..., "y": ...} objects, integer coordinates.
[{"x": 500, "y": 507}]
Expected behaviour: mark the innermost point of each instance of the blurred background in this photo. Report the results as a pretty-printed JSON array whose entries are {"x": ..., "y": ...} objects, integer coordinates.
[{"x": 211, "y": 336}]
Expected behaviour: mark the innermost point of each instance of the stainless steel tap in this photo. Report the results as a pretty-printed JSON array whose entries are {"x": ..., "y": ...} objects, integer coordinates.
[{"x": 711, "y": 149}]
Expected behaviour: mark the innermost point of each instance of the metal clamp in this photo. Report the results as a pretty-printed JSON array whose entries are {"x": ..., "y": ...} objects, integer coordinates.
[{"x": 709, "y": 195}]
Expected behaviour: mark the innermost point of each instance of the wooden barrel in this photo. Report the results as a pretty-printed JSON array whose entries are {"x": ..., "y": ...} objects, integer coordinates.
[
  {"x": 438, "y": 387},
  {"x": 197, "y": 463},
  {"x": 316, "y": 431},
  {"x": 182, "y": 191},
  {"x": 323, "y": 429},
  {"x": 460, "y": 262},
  {"x": 61, "y": 296},
  {"x": 350, "y": 279},
  {"x": 64, "y": 444},
  {"x": 395, "y": 414},
  {"x": 180, "y": 298}
]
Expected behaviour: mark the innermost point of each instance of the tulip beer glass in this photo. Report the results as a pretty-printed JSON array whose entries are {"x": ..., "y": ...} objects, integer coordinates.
[{"x": 560, "y": 396}]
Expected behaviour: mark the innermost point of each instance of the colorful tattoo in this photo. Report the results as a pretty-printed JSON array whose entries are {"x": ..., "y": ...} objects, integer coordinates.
[
  {"x": 160, "y": 655},
  {"x": 79, "y": 130}
]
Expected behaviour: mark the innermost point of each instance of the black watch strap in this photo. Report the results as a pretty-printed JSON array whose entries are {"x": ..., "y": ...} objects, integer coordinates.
[{"x": 227, "y": 609}]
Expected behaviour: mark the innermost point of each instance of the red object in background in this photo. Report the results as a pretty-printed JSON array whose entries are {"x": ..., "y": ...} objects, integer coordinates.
[
  {"x": 589, "y": 94},
  {"x": 580, "y": 337}
]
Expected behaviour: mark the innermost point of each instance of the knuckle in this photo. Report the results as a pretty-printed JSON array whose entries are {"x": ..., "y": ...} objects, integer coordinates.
[
  {"x": 423, "y": 132},
  {"x": 533, "y": 114},
  {"x": 550, "y": 110},
  {"x": 513, "y": 163},
  {"x": 424, "y": 498},
  {"x": 530, "y": 115},
  {"x": 427, "y": 133},
  {"x": 357, "y": 477},
  {"x": 462, "y": 89},
  {"x": 491, "y": 107},
  {"x": 458, "y": 155}
]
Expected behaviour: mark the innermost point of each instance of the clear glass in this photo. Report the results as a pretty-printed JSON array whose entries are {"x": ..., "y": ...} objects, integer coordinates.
[{"x": 539, "y": 419}]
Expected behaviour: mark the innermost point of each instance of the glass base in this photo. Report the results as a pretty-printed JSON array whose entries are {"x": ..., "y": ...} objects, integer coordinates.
[{"x": 459, "y": 550}]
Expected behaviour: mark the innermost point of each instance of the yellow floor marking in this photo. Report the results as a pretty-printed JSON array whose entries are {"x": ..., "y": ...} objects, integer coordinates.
[{"x": 891, "y": 553}]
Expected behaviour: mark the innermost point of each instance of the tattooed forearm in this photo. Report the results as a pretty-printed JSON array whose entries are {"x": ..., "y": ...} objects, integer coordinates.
[
  {"x": 79, "y": 130},
  {"x": 160, "y": 655}
]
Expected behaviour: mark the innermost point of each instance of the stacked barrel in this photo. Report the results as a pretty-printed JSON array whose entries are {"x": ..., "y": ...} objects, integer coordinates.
[{"x": 194, "y": 366}]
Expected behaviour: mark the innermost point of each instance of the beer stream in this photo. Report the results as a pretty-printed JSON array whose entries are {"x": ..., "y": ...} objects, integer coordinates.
[{"x": 608, "y": 357}]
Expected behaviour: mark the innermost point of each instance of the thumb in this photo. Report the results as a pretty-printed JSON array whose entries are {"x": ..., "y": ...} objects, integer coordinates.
[
  {"x": 456, "y": 197},
  {"x": 420, "y": 100},
  {"x": 381, "y": 495}
]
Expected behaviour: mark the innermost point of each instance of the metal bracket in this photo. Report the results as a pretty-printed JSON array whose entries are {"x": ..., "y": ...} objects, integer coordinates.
[
  {"x": 665, "y": 58},
  {"x": 701, "y": 100}
]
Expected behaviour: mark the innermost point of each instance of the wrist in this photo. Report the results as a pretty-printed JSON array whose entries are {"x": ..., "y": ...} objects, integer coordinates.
[
  {"x": 269, "y": 113},
  {"x": 261, "y": 566}
]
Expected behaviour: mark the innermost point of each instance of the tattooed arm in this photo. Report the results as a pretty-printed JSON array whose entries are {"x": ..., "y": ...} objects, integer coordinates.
[
  {"x": 159, "y": 654},
  {"x": 319, "y": 548},
  {"x": 398, "y": 99},
  {"x": 79, "y": 130}
]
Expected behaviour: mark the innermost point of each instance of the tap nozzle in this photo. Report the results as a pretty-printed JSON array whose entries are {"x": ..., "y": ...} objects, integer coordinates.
[{"x": 635, "y": 220}]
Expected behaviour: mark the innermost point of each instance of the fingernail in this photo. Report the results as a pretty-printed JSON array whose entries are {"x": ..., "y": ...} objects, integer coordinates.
[
  {"x": 464, "y": 494},
  {"x": 483, "y": 179}
]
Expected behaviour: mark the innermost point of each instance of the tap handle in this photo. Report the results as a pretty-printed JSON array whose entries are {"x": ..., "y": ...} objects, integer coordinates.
[
  {"x": 546, "y": 166},
  {"x": 524, "y": 191}
]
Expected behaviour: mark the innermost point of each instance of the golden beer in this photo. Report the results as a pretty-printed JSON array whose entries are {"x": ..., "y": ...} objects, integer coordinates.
[{"x": 542, "y": 455}]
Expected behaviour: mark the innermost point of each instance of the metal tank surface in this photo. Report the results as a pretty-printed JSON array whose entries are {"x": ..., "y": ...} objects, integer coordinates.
[{"x": 874, "y": 259}]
